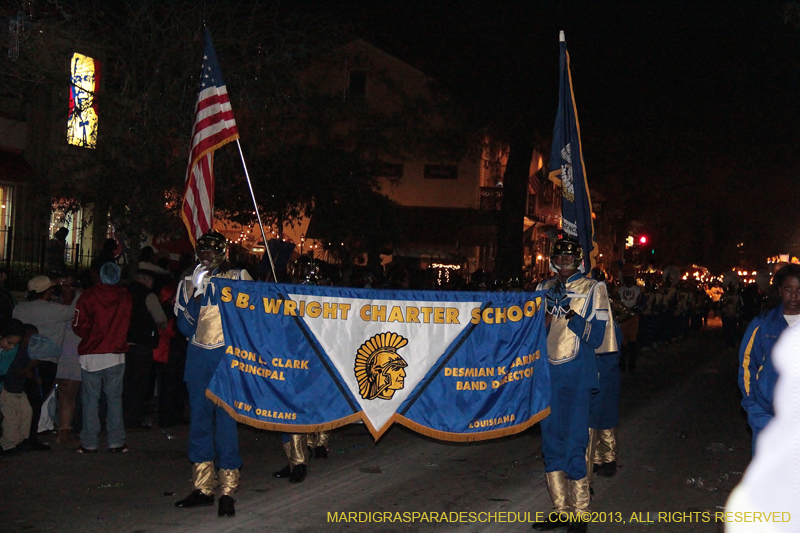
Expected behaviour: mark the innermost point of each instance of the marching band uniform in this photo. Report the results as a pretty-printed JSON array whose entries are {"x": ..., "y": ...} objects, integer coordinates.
[
  {"x": 212, "y": 432},
  {"x": 659, "y": 318},
  {"x": 299, "y": 447},
  {"x": 318, "y": 443},
  {"x": 647, "y": 318},
  {"x": 684, "y": 298},
  {"x": 631, "y": 297},
  {"x": 604, "y": 413},
  {"x": 572, "y": 340},
  {"x": 670, "y": 306}
]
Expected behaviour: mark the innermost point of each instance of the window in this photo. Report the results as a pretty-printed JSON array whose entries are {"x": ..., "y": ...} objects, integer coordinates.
[
  {"x": 6, "y": 199},
  {"x": 491, "y": 198},
  {"x": 441, "y": 172},
  {"x": 82, "y": 120},
  {"x": 390, "y": 171}
]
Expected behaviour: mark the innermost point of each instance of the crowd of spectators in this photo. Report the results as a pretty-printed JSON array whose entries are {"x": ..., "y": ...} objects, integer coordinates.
[{"x": 83, "y": 351}]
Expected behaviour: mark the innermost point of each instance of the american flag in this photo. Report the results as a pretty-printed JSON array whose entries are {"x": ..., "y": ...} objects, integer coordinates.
[
  {"x": 534, "y": 185},
  {"x": 214, "y": 126}
]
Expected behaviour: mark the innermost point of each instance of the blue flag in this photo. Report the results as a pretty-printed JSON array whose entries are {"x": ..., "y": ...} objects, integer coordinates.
[{"x": 567, "y": 169}]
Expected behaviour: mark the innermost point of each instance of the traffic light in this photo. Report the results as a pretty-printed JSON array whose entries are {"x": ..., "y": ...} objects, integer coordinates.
[
  {"x": 643, "y": 239},
  {"x": 629, "y": 241}
]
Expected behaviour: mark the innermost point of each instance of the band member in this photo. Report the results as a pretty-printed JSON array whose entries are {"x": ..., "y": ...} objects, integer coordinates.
[
  {"x": 213, "y": 436},
  {"x": 631, "y": 296},
  {"x": 604, "y": 410},
  {"x": 300, "y": 447},
  {"x": 578, "y": 315}
]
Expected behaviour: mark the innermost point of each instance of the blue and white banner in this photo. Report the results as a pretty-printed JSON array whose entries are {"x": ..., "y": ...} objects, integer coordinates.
[
  {"x": 567, "y": 168},
  {"x": 457, "y": 366}
]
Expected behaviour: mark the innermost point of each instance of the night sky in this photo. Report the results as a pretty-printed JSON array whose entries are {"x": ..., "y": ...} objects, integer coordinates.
[{"x": 688, "y": 110}]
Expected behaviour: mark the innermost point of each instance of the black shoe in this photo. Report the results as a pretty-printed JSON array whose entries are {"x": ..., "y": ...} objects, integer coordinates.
[
  {"x": 283, "y": 473},
  {"x": 196, "y": 499},
  {"x": 226, "y": 506},
  {"x": 33, "y": 445},
  {"x": 37, "y": 446},
  {"x": 607, "y": 469},
  {"x": 299, "y": 473},
  {"x": 321, "y": 452},
  {"x": 11, "y": 451},
  {"x": 552, "y": 524},
  {"x": 577, "y": 526}
]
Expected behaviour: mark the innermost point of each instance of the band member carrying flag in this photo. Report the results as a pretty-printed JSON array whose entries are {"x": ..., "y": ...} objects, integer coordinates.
[
  {"x": 578, "y": 324},
  {"x": 213, "y": 436}
]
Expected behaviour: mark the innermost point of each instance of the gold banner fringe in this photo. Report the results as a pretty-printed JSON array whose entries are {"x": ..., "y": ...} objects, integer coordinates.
[
  {"x": 285, "y": 428},
  {"x": 377, "y": 434},
  {"x": 470, "y": 437}
]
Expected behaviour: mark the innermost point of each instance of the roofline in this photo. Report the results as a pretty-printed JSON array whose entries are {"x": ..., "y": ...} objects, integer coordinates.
[{"x": 388, "y": 56}]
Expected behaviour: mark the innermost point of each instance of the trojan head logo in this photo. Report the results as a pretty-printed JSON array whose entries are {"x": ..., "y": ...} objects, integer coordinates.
[{"x": 379, "y": 368}]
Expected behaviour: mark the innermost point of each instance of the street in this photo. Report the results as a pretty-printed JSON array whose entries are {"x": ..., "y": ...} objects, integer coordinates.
[{"x": 683, "y": 447}]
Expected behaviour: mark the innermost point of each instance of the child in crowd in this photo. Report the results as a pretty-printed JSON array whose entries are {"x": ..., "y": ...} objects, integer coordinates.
[{"x": 14, "y": 403}]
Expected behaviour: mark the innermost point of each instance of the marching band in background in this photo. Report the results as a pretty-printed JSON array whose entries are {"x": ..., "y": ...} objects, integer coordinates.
[{"x": 594, "y": 334}]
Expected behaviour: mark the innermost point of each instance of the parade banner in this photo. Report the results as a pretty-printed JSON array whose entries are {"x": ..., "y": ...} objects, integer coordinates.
[{"x": 458, "y": 366}]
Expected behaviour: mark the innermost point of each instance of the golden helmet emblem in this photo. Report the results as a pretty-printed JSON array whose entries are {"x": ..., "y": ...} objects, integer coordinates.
[{"x": 379, "y": 369}]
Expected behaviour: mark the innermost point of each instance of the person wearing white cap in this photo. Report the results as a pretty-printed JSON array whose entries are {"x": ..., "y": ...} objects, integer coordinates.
[{"x": 50, "y": 319}]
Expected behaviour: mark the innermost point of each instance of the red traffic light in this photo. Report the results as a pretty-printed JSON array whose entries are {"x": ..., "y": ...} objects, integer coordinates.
[{"x": 642, "y": 240}]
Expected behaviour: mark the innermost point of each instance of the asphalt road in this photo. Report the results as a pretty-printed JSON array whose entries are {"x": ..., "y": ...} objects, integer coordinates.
[{"x": 683, "y": 446}]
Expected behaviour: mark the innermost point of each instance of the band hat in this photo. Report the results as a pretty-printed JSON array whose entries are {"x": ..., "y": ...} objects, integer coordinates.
[{"x": 39, "y": 284}]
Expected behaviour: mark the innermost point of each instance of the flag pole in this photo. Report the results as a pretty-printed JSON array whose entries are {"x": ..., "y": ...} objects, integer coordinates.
[{"x": 255, "y": 205}]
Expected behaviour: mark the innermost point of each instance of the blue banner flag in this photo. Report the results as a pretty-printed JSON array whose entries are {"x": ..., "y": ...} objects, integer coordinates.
[
  {"x": 459, "y": 366},
  {"x": 567, "y": 168}
]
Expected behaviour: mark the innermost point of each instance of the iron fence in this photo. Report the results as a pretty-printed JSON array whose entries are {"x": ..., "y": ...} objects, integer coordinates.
[{"x": 25, "y": 257}]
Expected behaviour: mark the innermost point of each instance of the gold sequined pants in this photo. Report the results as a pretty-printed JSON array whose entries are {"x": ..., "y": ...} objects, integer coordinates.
[
  {"x": 605, "y": 446},
  {"x": 204, "y": 477},
  {"x": 568, "y": 494},
  {"x": 297, "y": 449},
  {"x": 228, "y": 481},
  {"x": 317, "y": 439}
]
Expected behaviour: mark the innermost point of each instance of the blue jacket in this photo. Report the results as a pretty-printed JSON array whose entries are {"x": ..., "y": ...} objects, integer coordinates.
[
  {"x": 6, "y": 358},
  {"x": 757, "y": 374}
]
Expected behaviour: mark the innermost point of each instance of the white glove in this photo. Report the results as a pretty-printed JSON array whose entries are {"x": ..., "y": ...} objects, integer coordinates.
[{"x": 200, "y": 278}]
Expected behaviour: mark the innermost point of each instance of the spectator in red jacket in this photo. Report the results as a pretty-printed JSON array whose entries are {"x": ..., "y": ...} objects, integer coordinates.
[{"x": 102, "y": 317}]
